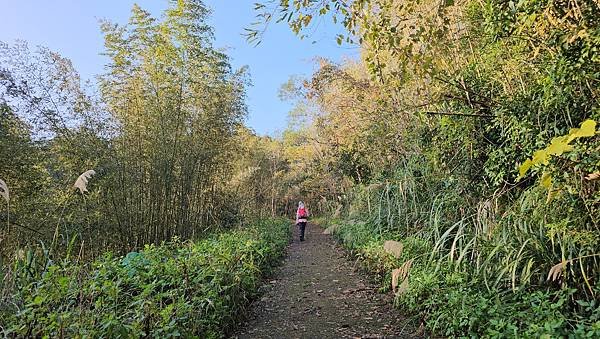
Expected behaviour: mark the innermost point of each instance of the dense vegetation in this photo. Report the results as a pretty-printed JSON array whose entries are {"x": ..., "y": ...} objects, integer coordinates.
[
  {"x": 132, "y": 206},
  {"x": 467, "y": 131},
  {"x": 459, "y": 302},
  {"x": 171, "y": 290},
  {"x": 162, "y": 132}
]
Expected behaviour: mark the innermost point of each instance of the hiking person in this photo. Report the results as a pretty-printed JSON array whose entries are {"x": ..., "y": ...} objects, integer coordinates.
[{"x": 301, "y": 218}]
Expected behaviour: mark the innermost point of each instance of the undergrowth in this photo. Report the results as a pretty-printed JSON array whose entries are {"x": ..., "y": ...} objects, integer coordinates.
[
  {"x": 454, "y": 301},
  {"x": 189, "y": 289}
]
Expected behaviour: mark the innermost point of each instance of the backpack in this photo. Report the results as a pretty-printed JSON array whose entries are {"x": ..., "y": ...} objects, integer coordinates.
[{"x": 302, "y": 213}]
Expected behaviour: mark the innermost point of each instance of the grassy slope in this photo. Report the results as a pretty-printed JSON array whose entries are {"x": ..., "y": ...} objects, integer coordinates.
[{"x": 455, "y": 303}]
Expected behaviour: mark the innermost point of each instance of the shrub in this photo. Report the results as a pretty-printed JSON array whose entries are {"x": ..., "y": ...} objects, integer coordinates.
[
  {"x": 452, "y": 299},
  {"x": 175, "y": 289}
]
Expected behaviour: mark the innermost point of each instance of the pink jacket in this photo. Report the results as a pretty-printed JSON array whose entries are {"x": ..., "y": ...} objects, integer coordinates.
[{"x": 298, "y": 219}]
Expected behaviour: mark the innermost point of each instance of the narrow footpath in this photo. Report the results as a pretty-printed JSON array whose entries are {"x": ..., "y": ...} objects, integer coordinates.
[{"x": 319, "y": 293}]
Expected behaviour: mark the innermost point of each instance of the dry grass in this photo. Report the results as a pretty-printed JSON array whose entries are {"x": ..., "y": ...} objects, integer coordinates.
[
  {"x": 4, "y": 190},
  {"x": 82, "y": 181},
  {"x": 401, "y": 274}
]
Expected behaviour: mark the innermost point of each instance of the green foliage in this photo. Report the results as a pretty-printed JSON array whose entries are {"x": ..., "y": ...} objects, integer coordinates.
[
  {"x": 178, "y": 105},
  {"x": 469, "y": 91},
  {"x": 161, "y": 134},
  {"x": 453, "y": 301},
  {"x": 422, "y": 139},
  {"x": 172, "y": 290}
]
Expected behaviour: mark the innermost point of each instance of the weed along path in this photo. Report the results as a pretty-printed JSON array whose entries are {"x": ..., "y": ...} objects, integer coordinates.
[{"x": 319, "y": 293}]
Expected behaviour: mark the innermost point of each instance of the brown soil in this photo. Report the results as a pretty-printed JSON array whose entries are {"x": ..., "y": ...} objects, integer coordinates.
[{"x": 319, "y": 293}]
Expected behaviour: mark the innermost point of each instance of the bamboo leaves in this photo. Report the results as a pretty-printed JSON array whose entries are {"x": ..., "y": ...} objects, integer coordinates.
[{"x": 176, "y": 145}]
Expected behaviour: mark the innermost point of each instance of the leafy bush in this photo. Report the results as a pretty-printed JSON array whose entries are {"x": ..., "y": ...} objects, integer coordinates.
[
  {"x": 175, "y": 289},
  {"x": 454, "y": 301}
]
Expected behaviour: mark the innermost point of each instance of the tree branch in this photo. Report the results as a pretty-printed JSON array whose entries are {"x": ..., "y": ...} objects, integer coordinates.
[{"x": 462, "y": 114}]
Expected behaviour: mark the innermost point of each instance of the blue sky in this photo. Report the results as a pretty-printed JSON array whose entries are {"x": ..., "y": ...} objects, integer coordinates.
[{"x": 71, "y": 28}]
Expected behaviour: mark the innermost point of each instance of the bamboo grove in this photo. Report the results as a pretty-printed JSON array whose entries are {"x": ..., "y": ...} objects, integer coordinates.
[{"x": 162, "y": 133}]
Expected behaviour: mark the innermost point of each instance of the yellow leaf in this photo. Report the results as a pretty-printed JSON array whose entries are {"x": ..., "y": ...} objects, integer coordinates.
[
  {"x": 540, "y": 157},
  {"x": 524, "y": 168},
  {"x": 546, "y": 180},
  {"x": 551, "y": 194},
  {"x": 587, "y": 129},
  {"x": 558, "y": 146}
]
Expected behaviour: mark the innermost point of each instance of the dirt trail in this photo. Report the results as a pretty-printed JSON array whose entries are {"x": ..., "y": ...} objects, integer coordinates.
[{"x": 318, "y": 293}]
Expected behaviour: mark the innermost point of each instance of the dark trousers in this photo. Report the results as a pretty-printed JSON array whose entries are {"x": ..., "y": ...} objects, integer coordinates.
[{"x": 302, "y": 226}]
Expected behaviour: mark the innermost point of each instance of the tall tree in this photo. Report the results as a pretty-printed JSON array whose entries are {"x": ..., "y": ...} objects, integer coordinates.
[{"x": 178, "y": 103}]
